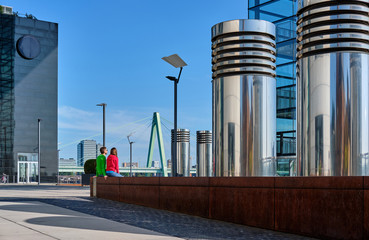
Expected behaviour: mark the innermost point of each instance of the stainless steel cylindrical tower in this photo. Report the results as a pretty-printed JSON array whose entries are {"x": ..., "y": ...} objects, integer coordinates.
[
  {"x": 204, "y": 160},
  {"x": 183, "y": 152},
  {"x": 244, "y": 98},
  {"x": 333, "y": 84}
]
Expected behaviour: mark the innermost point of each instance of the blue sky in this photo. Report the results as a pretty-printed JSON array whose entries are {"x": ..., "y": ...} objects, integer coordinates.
[{"x": 110, "y": 51}]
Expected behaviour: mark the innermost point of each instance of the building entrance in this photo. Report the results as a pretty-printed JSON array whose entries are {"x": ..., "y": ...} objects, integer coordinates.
[{"x": 27, "y": 168}]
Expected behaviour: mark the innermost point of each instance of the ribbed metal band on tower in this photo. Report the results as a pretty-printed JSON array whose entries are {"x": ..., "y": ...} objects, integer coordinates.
[
  {"x": 333, "y": 88},
  {"x": 244, "y": 98}
]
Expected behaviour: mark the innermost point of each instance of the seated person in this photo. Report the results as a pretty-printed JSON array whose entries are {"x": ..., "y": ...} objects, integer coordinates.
[
  {"x": 101, "y": 163},
  {"x": 112, "y": 164}
]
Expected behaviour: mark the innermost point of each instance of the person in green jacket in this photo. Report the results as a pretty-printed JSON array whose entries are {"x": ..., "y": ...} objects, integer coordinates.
[{"x": 101, "y": 163}]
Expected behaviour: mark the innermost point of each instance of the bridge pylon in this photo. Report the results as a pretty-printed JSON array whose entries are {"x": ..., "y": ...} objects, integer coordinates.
[{"x": 156, "y": 130}]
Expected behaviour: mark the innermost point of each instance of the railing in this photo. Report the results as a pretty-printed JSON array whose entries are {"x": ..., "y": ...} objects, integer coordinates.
[
  {"x": 364, "y": 159},
  {"x": 286, "y": 143},
  {"x": 122, "y": 170},
  {"x": 69, "y": 179},
  {"x": 286, "y": 165}
]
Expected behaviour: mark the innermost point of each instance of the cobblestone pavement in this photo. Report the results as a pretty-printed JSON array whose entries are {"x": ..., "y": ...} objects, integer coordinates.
[{"x": 174, "y": 224}]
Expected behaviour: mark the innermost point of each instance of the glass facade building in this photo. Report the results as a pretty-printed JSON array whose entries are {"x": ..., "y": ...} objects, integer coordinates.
[
  {"x": 28, "y": 92},
  {"x": 7, "y": 52},
  {"x": 87, "y": 149},
  {"x": 283, "y": 14}
]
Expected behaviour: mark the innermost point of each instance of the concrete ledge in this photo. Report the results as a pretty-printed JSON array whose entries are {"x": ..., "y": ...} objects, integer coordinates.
[{"x": 323, "y": 207}]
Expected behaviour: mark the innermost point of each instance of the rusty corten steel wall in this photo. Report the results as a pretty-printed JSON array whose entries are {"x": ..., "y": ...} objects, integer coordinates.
[{"x": 286, "y": 204}]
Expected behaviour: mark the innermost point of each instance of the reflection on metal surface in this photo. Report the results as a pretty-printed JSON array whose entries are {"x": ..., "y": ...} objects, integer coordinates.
[
  {"x": 333, "y": 88},
  {"x": 244, "y": 98},
  {"x": 330, "y": 3},
  {"x": 204, "y": 166},
  {"x": 183, "y": 152}
]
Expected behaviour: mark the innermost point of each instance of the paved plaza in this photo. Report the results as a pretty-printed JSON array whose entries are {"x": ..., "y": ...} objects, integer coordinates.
[{"x": 62, "y": 212}]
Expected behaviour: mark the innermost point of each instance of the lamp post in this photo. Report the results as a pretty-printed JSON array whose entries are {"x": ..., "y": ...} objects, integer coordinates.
[
  {"x": 39, "y": 151},
  {"x": 176, "y": 62},
  {"x": 58, "y": 164},
  {"x": 103, "y": 105},
  {"x": 130, "y": 155}
]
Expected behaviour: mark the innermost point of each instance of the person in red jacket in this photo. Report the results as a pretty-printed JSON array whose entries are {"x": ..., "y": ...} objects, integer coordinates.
[{"x": 112, "y": 164}]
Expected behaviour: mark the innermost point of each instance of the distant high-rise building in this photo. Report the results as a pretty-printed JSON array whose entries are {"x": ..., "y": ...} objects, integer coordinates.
[
  {"x": 67, "y": 162},
  {"x": 169, "y": 163},
  {"x": 98, "y": 146},
  {"x": 86, "y": 150},
  {"x": 155, "y": 164},
  {"x": 28, "y": 92}
]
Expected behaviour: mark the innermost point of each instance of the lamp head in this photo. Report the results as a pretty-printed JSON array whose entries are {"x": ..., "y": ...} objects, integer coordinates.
[
  {"x": 175, "y": 61},
  {"x": 171, "y": 78}
]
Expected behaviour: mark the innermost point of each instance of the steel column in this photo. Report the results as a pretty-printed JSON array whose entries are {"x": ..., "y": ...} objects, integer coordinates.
[
  {"x": 333, "y": 88},
  {"x": 244, "y": 98}
]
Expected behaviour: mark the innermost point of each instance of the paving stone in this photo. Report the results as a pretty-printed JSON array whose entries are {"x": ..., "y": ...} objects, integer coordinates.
[{"x": 170, "y": 223}]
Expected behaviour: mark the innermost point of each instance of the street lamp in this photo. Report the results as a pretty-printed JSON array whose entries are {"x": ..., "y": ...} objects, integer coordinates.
[
  {"x": 58, "y": 165},
  {"x": 103, "y": 105},
  {"x": 130, "y": 154},
  {"x": 176, "y": 62},
  {"x": 39, "y": 151}
]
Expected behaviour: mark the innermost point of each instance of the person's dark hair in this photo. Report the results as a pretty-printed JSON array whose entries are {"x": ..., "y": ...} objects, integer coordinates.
[
  {"x": 114, "y": 151},
  {"x": 102, "y": 149}
]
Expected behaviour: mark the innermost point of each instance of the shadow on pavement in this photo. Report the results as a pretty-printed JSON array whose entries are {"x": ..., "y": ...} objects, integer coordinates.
[
  {"x": 86, "y": 223},
  {"x": 41, "y": 214},
  {"x": 31, "y": 207}
]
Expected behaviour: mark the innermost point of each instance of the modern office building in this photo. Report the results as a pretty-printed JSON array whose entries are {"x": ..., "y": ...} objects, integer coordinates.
[
  {"x": 86, "y": 150},
  {"x": 283, "y": 14},
  {"x": 28, "y": 92}
]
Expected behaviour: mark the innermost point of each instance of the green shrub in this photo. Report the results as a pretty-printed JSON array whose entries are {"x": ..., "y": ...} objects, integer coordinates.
[{"x": 90, "y": 166}]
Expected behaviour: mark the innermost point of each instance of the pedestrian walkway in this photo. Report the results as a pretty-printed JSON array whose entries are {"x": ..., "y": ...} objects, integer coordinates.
[
  {"x": 37, "y": 220},
  {"x": 59, "y": 212}
]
